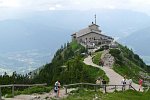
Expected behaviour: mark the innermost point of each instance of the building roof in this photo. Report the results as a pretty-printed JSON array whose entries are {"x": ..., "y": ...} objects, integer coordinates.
[
  {"x": 93, "y": 28},
  {"x": 87, "y": 30}
]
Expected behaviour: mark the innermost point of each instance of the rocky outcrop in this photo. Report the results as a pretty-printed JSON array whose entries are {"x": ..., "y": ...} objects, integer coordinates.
[{"x": 107, "y": 58}]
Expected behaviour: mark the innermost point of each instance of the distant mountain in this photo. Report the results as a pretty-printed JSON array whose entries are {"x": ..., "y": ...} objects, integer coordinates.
[
  {"x": 23, "y": 35},
  {"x": 50, "y": 29},
  {"x": 139, "y": 41}
]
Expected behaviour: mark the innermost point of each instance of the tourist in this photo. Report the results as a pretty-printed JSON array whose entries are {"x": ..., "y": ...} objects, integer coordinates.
[
  {"x": 140, "y": 84},
  {"x": 123, "y": 82},
  {"x": 104, "y": 82},
  {"x": 57, "y": 88},
  {"x": 102, "y": 63},
  {"x": 130, "y": 83},
  {"x": 98, "y": 81}
]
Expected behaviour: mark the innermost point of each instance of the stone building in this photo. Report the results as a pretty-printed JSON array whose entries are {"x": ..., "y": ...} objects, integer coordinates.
[{"x": 92, "y": 37}]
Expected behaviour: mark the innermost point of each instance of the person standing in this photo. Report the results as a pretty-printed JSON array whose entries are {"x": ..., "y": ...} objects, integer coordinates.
[
  {"x": 140, "y": 83},
  {"x": 123, "y": 82},
  {"x": 130, "y": 83},
  {"x": 57, "y": 88},
  {"x": 102, "y": 63}
]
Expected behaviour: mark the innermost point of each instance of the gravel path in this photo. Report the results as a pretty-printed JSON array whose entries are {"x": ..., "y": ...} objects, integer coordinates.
[
  {"x": 114, "y": 78},
  {"x": 45, "y": 96}
]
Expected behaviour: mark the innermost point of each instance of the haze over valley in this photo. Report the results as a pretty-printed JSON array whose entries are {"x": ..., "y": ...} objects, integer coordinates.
[{"x": 29, "y": 39}]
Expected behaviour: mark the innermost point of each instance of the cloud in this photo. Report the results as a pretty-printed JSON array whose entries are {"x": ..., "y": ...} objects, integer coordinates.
[
  {"x": 10, "y": 3},
  {"x": 136, "y": 5},
  {"x": 55, "y": 7},
  {"x": 52, "y": 8}
]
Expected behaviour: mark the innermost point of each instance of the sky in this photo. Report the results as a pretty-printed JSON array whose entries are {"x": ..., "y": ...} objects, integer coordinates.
[{"x": 9, "y": 6}]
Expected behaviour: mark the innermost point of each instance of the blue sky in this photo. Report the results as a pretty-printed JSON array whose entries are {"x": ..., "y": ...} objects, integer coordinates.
[{"x": 14, "y": 7}]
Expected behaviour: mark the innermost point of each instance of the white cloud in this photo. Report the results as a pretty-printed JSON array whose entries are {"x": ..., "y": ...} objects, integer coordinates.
[
  {"x": 58, "y": 5},
  {"x": 10, "y": 3},
  {"x": 52, "y": 8}
]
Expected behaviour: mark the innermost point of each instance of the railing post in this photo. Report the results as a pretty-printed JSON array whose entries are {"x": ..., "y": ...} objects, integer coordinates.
[
  {"x": 65, "y": 89},
  {"x": 81, "y": 85},
  {"x": 0, "y": 94},
  {"x": 95, "y": 87},
  {"x": 13, "y": 90},
  {"x": 105, "y": 88},
  {"x": 115, "y": 87}
]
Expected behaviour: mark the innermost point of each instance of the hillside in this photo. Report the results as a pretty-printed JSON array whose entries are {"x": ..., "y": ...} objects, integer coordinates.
[
  {"x": 68, "y": 67},
  {"x": 90, "y": 95},
  {"x": 130, "y": 64}
]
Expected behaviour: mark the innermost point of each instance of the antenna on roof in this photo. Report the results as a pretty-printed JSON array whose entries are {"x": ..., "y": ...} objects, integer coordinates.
[{"x": 95, "y": 18}]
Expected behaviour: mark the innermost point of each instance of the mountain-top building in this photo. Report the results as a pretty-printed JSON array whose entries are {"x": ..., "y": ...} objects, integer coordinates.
[{"x": 92, "y": 37}]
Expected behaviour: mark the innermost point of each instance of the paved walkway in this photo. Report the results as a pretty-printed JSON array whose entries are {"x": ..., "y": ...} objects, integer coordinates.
[{"x": 114, "y": 78}]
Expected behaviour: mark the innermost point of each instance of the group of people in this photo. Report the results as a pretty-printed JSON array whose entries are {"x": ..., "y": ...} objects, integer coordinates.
[
  {"x": 100, "y": 81},
  {"x": 130, "y": 83}
]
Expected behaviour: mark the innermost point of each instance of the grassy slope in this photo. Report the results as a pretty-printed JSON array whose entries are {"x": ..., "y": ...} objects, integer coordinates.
[
  {"x": 97, "y": 57},
  {"x": 127, "y": 95},
  {"x": 76, "y": 71},
  {"x": 68, "y": 67},
  {"x": 127, "y": 63},
  {"x": 31, "y": 90}
]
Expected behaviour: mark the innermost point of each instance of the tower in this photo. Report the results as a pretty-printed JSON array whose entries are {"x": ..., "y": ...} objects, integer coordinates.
[{"x": 95, "y": 18}]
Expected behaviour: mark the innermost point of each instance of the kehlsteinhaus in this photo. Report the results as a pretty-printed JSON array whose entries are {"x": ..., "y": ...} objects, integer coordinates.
[{"x": 92, "y": 37}]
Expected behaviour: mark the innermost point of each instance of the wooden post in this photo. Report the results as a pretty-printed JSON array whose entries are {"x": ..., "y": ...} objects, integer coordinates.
[
  {"x": 95, "y": 87},
  {"x": 0, "y": 94},
  {"x": 65, "y": 89},
  {"x": 81, "y": 85},
  {"x": 13, "y": 94},
  {"x": 105, "y": 88},
  {"x": 115, "y": 87}
]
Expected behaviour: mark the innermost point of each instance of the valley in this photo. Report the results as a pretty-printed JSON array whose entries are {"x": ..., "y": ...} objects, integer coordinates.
[{"x": 24, "y": 61}]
